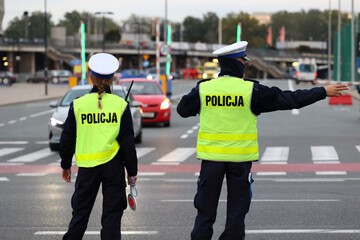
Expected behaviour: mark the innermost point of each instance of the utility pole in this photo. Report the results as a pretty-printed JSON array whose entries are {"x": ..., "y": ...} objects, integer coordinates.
[
  {"x": 352, "y": 42},
  {"x": 329, "y": 43},
  {"x": 339, "y": 44},
  {"x": 45, "y": 52}
]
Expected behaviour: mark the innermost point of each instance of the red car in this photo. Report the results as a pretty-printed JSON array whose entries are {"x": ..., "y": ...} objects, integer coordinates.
[{"x": 156, "y": 107}]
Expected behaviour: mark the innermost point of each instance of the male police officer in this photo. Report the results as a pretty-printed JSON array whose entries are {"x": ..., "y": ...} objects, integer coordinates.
[
  {"x": 99, "y": 126},
  {"x": 227, "y": 140}
]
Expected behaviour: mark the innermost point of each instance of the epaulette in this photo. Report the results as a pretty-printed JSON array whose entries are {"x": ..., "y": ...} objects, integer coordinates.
[
  {"x": 251, "y": 80},
  {"x": 204, "y": 80}
]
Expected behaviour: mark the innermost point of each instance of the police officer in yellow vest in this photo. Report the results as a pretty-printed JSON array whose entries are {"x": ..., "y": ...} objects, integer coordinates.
[
  {"x": 227, "y": 140},
  {"x": 99, "y": 127}
]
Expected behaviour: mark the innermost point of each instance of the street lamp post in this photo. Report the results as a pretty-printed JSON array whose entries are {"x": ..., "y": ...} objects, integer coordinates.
[
  {"x": 45, "y": 51},
  {"x": 103, "y": 27}
]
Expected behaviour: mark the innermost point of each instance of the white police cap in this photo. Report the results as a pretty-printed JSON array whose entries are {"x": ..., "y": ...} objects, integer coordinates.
[
  {"x": 103, "y": 65},
  {"x": 235, "y": 50}
]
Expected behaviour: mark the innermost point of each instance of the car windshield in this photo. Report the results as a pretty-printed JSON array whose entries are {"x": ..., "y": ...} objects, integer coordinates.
[
  {"x": 61, "y": 73},
  {"x": 73, "y": 94},
  {"x": 144, "y": 88},
  {"x": 307, "y": 68}
]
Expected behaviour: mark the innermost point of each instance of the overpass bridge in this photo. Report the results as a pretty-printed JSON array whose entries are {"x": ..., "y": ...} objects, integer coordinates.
[{"x": 25, "y": 56}]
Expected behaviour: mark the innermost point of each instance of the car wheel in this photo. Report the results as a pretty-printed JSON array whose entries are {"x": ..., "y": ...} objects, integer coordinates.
[
  {"x": 54, "y": 147},
  {"x": 138, "y": 138},
  {"x": 6, "y": 81},
  {"x": 167, "y": 124},
  {"x": 1, "y": 80},
  {"x": 55, "y": 80}
]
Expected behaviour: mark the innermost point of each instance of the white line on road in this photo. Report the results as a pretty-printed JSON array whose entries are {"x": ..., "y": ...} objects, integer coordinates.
[
  {"x": 291, "y": 88},
  {"x": 261, "y": 200},
  {"x": 151, "y": 173},
  {"x": 1, "y": 124},
  {"x": 11, "y": 164},
  {"x": 12, "y": 122},
  {"x": 178, "y": 155},
  {"x": 358, "y": 148},
  {"x": 276, "y": 154},
  {"x": 42, "y": 142},
  {"x": 42, "y": 113},
  {"x": 184, "y": 136},
  {"x": 165, "y": 163},
  {"x": 4, "y": 179},
  {"x": 6, "y": 151},
  {"x": 331, "y": 173},
  {"x": 97, "y": 232},
  {"x": 293, "y": 231},
  {"x": 271, "y": 173},
  {"x": 34, "y": 156},
  {"x": 323, "y": 153},
  {"x": 23, "y": 118},
  {"x": 31, "y": 174},
  {"x": 140, "y": 152},
  {"x": 14, "y": 142}
]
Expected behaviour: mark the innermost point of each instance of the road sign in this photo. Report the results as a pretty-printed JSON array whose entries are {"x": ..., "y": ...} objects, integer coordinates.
[
  {"x": 165, "y": 59},
  {"x": 165, "y": 49}
]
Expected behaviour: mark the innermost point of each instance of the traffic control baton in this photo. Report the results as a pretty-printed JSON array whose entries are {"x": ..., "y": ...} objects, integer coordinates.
[
  {"x": 127, "y": 94},
  {"x": 131, "y": 196}
]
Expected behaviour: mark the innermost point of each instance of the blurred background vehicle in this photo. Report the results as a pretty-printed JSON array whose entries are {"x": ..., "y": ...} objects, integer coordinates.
[
  {"x": 211, "y": 70},
  {"x": 151, "y": 73},
  {"x": 56, "y": 122},
  {"x": 156, "y": 107},
  {"x": 54, "y": 76},
  {"x": 132, "y": 73},
  {"x": 7, "y": 78},
  {"x": 306, "y": 70},
  {"x": 290, "y": 73}
]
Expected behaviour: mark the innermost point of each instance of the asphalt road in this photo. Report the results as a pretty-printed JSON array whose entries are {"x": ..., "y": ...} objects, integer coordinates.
[{"x": 306, "y": 182}]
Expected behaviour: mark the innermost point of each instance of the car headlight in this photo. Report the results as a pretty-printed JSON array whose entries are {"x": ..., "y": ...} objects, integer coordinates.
[
  {"x": 56, "y": 123},
  {"x": 165, "y": 104},
  {"x": 149, "y": 77},
  {"x": 204, "y": 76}
]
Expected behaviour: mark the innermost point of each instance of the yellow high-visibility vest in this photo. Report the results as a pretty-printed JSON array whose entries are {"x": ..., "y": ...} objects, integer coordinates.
[
  {"x": 97, "y": 129},
  {"x": 228, "y": 130}
]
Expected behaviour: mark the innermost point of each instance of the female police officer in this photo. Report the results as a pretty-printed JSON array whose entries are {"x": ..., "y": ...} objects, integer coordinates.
[
  {"x": 227, "y": 140},
  {"x": 99, "y": 126}
]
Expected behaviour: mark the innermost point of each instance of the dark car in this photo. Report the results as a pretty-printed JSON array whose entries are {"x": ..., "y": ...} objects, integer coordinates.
[
  {"x": 290, "y": 73},
  {"x": 7, "y": 78},
  {"x": 54, "y": 76}
]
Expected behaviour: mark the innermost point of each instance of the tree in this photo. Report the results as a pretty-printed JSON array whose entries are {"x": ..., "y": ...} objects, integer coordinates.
[
  {"x": 71, "y": 21},
  {"x": 251, "y": 30},
  {"x": 36, "y": 21}
]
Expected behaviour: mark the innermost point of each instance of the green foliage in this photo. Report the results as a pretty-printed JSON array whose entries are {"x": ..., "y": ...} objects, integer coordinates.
[
  {"x": 36, "y": 21},
  {"x": 201, "y": 30}
]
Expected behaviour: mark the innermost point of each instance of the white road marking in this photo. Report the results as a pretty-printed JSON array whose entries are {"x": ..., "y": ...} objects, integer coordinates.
[
  {"x": 23, "y": 118},
  {"x": 2, "y": 124},
  {"x": 271, "y": 173},
  {"x": 320, "y": 153},
  {"x": 178, "y": 155},
  {"x": 291, "y": 88},
  {"x": 276, "y": 154},
  {"x": 140, "y": 152},
  {"x": 165, "y": 163},
  {"x": 4, "y": 179},
  {"x": 11, "y": 164},
  {"x": 331, "y": 173},
  {"x": 34, "y": 156},
  {"x": 327, "y": 162},
  {"x": 31, "y": 174},
  {"x": 302, "y": 231},
  {"x": 42, "y": 142},
  {"x": 184, "y": 136},
  {"x": 97, "y": 232},
  {"x": 195, "y": 127},
  {"x": 14, "y": 142},
  {"x": 358, "y": 147},
  {"x": 151, "y": 173},
  {"x": 12, "y": 122},
  {"x": 42, "y": 113},
  {"x": 261, "y": 200},
  {"x": 6, "y": 151}
]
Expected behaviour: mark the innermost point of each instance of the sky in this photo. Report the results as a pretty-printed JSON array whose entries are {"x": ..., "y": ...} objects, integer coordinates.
[{"x": 177, "y": 9}]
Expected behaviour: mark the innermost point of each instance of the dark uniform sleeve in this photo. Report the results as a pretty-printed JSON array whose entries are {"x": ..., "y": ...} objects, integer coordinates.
[
  {"x": 127, "y": 143},
  {"x": 189, "y": 104},
  {"x": 67, "y": 140},
  {"x": 266, "y": 99}
]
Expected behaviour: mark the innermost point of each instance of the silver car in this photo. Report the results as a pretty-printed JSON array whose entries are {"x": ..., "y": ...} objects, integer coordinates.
[{"x": 56, "y": 122}]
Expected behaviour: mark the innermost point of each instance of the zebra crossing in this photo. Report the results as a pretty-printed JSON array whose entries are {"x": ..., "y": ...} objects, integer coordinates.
[{"x": 11, "y": 154}]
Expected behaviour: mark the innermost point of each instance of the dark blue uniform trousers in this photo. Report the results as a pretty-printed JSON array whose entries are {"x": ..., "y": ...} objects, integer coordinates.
[
  {"x": 207, "y": 197},
  {"x": 112, "y": 177}
]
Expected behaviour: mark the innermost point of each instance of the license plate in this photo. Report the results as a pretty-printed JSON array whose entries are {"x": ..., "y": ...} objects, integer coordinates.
[{"x": 148, "y": 114}]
